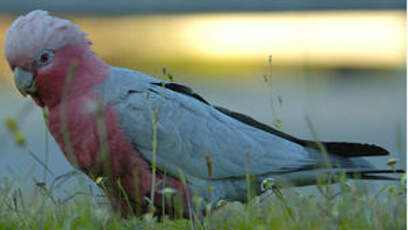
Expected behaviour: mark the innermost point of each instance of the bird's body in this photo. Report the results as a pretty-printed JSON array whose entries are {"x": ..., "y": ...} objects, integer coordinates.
[{"x": 116, "y": 123}]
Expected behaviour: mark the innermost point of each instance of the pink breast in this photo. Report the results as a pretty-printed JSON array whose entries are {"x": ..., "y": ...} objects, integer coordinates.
[{"x": 121, "y": 162}]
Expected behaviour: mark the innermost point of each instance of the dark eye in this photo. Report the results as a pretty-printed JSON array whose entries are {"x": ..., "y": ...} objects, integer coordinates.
[{"x": 44, "y": 57}]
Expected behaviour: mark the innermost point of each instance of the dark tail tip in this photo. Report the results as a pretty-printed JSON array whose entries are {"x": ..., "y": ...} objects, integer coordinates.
[
  {"x": 370, "y": 174},
  {"x": 354, "y": 149}
]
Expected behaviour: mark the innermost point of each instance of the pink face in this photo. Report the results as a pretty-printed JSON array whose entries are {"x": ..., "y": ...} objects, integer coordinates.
[
  {"x": 51, "y": 70},
  {"x": 40, "y": 48},
  {"x": 31, "y": 74}
]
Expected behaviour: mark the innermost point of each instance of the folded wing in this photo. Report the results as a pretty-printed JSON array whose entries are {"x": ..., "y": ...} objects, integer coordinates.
[{"x": 201, "y": 140}]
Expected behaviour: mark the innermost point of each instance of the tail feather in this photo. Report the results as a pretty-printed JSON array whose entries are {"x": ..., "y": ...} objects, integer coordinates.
[
  {"x": 376, "y": 177},
  {"x": 310, "y": 176},
  {"x": 368, "y": 174},
  {"x": 378, "y": 171},
  {"x": 343, "y": 149},
  {"x": 354, "y": 149},
  {"x": 347, "y": 150}
]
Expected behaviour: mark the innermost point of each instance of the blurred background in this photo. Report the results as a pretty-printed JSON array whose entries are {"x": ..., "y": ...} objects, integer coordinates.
[{"x": 340, "y": 64}]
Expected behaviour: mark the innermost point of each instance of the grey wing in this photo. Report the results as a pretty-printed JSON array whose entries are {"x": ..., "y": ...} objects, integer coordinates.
[{"x": 191, "y": 133}]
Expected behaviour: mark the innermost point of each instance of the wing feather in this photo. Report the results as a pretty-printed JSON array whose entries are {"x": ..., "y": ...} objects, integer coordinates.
[
  {"x": 343, "y": 149},
  {"x": 189, "y": 132}
]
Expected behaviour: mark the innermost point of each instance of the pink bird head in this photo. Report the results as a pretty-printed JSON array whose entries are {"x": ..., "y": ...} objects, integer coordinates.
[{"x": 46, "y": 46}]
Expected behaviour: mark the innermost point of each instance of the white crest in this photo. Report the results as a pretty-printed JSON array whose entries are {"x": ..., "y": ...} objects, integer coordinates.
[{"x": 30, "y": 34}]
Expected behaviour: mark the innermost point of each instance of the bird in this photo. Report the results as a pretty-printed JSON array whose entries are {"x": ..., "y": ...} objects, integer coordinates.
[{"x": 147, "y": 136}]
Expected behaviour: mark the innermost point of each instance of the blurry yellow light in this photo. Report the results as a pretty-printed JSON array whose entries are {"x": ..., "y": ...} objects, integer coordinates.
[
  {"x": 335, "y": 38},
  {"x": 327, "y": 37}
]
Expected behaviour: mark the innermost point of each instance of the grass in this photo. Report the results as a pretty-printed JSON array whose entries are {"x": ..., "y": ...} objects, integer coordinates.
[
  {"x": 354, "y": 207},
  {"x": 348, "y": 205}
]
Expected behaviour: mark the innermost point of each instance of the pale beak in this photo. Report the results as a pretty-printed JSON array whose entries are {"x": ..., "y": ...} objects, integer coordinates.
[{"x": 25, "y": 81}]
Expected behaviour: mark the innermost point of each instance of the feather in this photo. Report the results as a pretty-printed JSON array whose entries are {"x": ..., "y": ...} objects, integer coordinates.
[
  {"x": 339, "y": 148},
  {"x": 44, "y": 31}
]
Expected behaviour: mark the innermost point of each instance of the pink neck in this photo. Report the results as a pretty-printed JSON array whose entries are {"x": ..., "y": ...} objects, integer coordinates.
[{"x": 89, "y": 72}]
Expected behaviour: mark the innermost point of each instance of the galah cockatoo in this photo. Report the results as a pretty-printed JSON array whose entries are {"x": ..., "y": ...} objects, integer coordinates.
[{"x": 136, "y": 130}]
